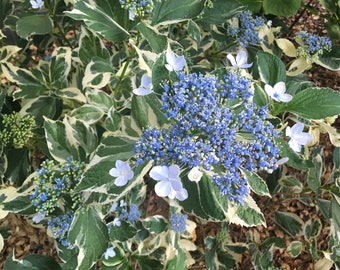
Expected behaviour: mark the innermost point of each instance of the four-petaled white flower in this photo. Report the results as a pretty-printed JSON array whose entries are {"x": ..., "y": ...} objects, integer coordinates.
[
  {"x": 174, "y": 62},
  {"x": 240, "y": 61},
  {"x": 195, "y": 175},
  {"x": 109, "y": 253},
  {"x": 123, "y": 173},
  {"x": 278, "y": 92},
  {"x": 169, "y": 184},
  {"x": 38, "y": 217},
  {"x": 146, "y": 86},
  {"x": 36, "y": 3},
  {"x": 297, "y": 136}
]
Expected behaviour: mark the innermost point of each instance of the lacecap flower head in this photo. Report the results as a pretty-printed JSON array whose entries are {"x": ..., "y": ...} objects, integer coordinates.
[{"x": 214, "y": 123}]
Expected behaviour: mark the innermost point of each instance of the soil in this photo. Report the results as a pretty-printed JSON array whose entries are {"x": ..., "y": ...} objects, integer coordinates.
[{"x": 25, "y": 239}]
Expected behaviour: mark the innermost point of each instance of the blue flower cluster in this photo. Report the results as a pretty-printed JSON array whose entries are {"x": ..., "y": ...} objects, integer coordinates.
[
  {"x": 54, "y": 189},
  {"x": 60, "y": 225},
  {"x": 137, "y": 7},
  {"x": 312, "y": 45},
  {"x": 214, "y": 124},
  {"x": 55, "y": 183},
  {"x": 132, "y": 215},
  {"x": 178, "y": 222},
  {"x": 246, "y": 32}
]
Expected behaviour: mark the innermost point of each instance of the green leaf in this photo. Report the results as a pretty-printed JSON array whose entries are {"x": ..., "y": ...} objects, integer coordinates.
[
  {"x": 167, "y": 12},
  {"x": 260, "y": 97},
  {"x": 271, "y": 69},
  {"x": 248, "y": 214},
  {"x": 71, "y": 137},
  {"x": 202, "y": 200},
  {"x": 281, "y": 7},
  {"x": 122, "y": 232},
  {"x": 330, "y": 5},
  {"x": 43, "y": 106},
  {"x": 314, "y": 103},
  {"x": 296, "y": 161},
  {"x": 292, "y": 183},
  {"x": 221, "y": 11},
  {"x": 155, "y": 224},
  {"x": 146, "y": 111},
  {"x": 71, "y": 93},
  {"x": 294, "y": 249},
  {"x": 315, "y": 173},
  {"x": 146, "y": 263},
  {"x": 90, "y": 45},
  {"x": 34, "y": 25},
  {"x": 30, "y": 82},
  {"x": 99, "y": 99},
  {"x": 90, "y": 235},
  {"x": 312, "y": 228},
  {"x": 113, "y": 120},
  {"x": 18, "y": 167},
  {"x": 290, "y": 222},
  {"x": 330, "y": 60},
  {"x": 88, "y": 113},
  {"x": 252, "y": 5},
  {"x": 194, "y": 31},
  {"x": 158, "y": 42},
  {"x": 97, "y": 73},
  {"x": 216, "y": 258},
  {"x": 324, "y": 206},
  {"x": 21, "y": 205},
  {"x": 256, "y": 183},
  {"x": 98, "y": 21},
  {"x": 42, "y": 262}
]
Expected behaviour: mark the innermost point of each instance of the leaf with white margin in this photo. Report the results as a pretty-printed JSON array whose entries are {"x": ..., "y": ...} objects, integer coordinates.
[
  {"x": 298, "y": 66},
  {"x": 247, "y": 215},
  {"x": 257, "y": 184},
  {"x": 97, "y": 73},
  {"x": 90, "y": 235},
  {"x": 286, "y": 46},
  {"x": 6, "y": 194},
  {"x": 98, "y": 21},
  {"x": 6, "y": 52},
  {"x": 71, "y": 93}
]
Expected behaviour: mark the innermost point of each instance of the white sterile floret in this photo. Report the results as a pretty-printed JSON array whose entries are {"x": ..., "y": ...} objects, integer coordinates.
[
  {"x": 195, "y": 175},
  {"x": 146, "y": 86},
  {"x": 169, "y": 183},
  {"x": 109, "y": 253},
  {"x": 278, "y": 92},
  {"x": 123, "y": 173},
  {"x": 297, "y": 136},
  {"x": 174, "y": 62},
  {"x": 240, "y": 61}
]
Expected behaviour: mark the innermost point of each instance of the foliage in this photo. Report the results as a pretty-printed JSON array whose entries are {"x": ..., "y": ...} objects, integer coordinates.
[{"x": 106, "y": 102}]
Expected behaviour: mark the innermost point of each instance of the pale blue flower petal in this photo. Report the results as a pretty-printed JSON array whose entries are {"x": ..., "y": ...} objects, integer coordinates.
[
  {"x": 159, "y": 173},
  {"x": 163, "y": 188},
  {"x": 38, "y": 217},
  {"x": 182, "y": 194},
  {"x": 142, "y": 91},
  {"x": 109, "y": 253}
]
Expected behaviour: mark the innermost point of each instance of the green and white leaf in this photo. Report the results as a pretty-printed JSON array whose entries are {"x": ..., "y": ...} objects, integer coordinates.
[
  {"x": 88, "y": 113},
  {"x": 99, "y": 99},
  {"x": 37, "y": 24},
  {"x": 256, "y": 183},
  {"x": 71, "y": 93},
  {"x": 97, "y": 73},
  {"x": 90, "y": 235},
  {"x": 271, "y": 69},
  {"x": 98, "y": 21},
  {"x": 169, "y": 12}
]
